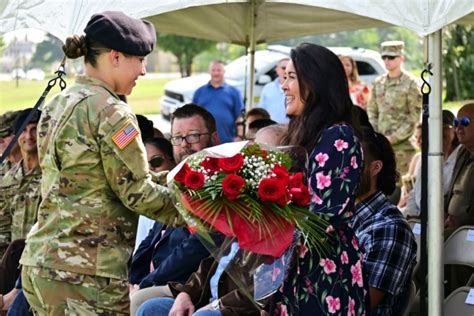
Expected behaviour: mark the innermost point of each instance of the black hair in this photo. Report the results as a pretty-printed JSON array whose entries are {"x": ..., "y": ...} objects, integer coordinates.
[
  {"x": 324, "y": 91},
  {"x": 377, "y": 147},
  {"x": 162, "y": 144},
  {"x": 258, "y": 124},
  {"x": 146, "y": 127},
  {"x": 192, "y": 109}
]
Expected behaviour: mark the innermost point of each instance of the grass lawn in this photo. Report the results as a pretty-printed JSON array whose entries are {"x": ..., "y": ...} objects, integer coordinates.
[{"x": 143, "y": 100}]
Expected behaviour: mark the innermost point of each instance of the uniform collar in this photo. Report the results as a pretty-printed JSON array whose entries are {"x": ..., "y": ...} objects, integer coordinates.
[{"x": 83, "y": 79}]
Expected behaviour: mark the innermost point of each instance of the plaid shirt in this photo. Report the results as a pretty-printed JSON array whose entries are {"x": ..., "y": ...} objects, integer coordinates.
[{"x": 389, "y": 249}]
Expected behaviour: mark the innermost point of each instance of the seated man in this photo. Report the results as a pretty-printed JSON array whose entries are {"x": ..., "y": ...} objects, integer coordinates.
[
  {"x": 459, "y": 202},
  {"x": 172, "y": 254},
  {"x": 212, "y": 290},
  {"x": 385, "y": 237}
]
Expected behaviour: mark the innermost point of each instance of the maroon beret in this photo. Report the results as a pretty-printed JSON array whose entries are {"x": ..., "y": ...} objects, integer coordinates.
[{"x": 120, "y": 32}]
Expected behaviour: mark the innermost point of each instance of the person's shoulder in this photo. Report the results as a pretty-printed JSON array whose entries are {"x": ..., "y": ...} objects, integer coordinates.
[
  {"x": 341, "y": 130},
  {"x": 380, "y": 79},
  {"x": 409, "y": 78}
]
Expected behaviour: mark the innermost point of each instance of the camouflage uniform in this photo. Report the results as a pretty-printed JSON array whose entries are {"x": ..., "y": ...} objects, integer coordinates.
[
  {"x": 24, "y": 195},
  {"x": 5, "y": 212},
  {"x": 95, "y": 183},
  {"x": 394, "y": 109}
]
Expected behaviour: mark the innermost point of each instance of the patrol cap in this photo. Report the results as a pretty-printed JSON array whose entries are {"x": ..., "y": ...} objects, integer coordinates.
[
  {"x": 120, "y": 32},
  {"x": 392, "y": 48},
  {"x": 22, "y": 116},
  {"x": 6, "y": 123}
]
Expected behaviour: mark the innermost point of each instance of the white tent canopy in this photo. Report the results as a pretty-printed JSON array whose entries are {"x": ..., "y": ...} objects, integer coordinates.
[{"x": 230, "y": 21}]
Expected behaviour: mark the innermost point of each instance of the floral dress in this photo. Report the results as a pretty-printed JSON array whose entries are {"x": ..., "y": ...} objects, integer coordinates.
[{"x": 333, "y": 284}]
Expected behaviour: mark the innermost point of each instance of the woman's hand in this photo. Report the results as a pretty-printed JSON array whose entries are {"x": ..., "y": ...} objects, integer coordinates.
[{"x": 183, "y": 306}]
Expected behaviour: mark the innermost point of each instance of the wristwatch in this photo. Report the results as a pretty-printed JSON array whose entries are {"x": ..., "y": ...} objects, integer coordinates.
[{"x": 216, "y": 305}]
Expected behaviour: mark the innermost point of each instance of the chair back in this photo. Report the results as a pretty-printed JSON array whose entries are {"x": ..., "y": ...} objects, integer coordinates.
[
  {"x": 459, "y": 247},
  {"x": 455, "y": 304}
]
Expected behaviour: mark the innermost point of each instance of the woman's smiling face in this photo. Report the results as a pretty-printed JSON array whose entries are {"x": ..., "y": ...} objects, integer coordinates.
[{"x": 291, "y": 88}]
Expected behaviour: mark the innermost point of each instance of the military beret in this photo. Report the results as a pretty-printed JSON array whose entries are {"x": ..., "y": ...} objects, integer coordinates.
[
  {"x": 6, "y": 123},
  {"x": 392, "y": 48},
  {"x": 21, "y": 117},
  {"x": 122, "y": 33}
]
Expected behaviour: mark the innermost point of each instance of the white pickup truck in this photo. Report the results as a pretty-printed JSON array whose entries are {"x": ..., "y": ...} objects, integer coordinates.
[{"x": 180, "y": 91}]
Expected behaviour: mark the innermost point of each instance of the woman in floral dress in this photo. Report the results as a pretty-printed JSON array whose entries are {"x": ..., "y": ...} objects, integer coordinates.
[{"x": 319, "y": 105}]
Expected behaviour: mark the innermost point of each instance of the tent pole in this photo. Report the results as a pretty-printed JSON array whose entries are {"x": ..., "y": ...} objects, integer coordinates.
[
  {"x": 435, "y": 189},
  {"x": 251, "y": 54}
]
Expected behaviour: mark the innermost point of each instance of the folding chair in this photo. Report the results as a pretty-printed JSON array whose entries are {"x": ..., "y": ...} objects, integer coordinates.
[
  {"x": 459, "y": 250},
  {"x": 455, "y": 304},
  {"x": 410, "y": 300}
]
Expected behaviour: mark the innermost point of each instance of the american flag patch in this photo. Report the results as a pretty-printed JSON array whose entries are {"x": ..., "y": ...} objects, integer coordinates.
[{"x": 125, "y": 135}]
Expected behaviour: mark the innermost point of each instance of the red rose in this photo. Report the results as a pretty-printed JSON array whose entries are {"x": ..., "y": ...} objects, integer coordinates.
[
  {"x": 296, "y": 180},
  {"x": 283, "y": 200},
  {"x": 231, "y": 164},
  {"x": 194, "y": 180},
  {"x": 211, "y": 164},
  {"x": 179, "y": 177},
  {"x": 270, "y": 190},
  {"x": 232, "y": 185},
  {"x": 281, "y": 174},
  {"x": 300, "y": 196}
]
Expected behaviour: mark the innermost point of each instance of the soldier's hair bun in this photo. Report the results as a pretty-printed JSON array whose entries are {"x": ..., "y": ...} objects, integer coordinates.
[{"x": 75, "y": 46}]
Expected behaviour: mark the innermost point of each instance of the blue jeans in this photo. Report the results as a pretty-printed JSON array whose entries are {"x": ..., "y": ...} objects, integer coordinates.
[
  {"x": 20, "y": 306},
  {"x": 161, "y": 306}
]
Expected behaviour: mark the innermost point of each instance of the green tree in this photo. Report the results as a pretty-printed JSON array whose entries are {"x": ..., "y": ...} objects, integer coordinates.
[
  {"x": 458, "y": 62},
  {"x": 47, "y": 52},
  {"x": 184, "y": 48}
]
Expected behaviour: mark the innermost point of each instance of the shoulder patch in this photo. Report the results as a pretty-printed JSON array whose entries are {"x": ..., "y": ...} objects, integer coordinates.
[{"x": 125, "y": 135}]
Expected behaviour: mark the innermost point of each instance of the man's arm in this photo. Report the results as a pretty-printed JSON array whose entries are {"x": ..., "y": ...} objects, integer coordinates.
[{"x": 376, "y": 296}]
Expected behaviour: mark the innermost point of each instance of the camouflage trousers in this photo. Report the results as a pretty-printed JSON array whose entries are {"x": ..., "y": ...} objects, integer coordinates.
[
  {"x": 403, "y": 157},
  {"x": 54, "y": 292}
]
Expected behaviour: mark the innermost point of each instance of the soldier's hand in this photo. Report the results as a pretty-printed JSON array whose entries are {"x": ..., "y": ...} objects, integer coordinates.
[{"x": 183, "y": 306}]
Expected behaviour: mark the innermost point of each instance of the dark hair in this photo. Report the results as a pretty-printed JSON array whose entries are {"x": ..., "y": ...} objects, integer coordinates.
[
  {"x": 377, "y": 147},
  {"x": 258, "y": 124},
  {"x": 146, "y": 127},
  {"x": 258, "y": 112},
  {"x": 80, "y": 45},
  {"x": 192, "y": 109},
  {"x": 360, "y": 120},
  {"x": 323, "y": 85},
  {"x": 21, "y": 117},
  {"x": 162, "y": 144}
]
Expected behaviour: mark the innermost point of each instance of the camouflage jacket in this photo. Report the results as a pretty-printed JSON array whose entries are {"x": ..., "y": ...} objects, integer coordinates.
[
  {"x": 25, "y": 197},
  {"x": 95, "y": 182},
  {"x": 395, "y": 107},
  {"x": 5, "y": 213}
]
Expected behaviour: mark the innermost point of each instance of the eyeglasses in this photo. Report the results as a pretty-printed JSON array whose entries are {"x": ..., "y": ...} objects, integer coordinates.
[
  {"x": 190, "y": 139},
  {"x": 389, "y": 57},
  {"x": 156, "y": 161},
  {"x": 464, "y": 121}
]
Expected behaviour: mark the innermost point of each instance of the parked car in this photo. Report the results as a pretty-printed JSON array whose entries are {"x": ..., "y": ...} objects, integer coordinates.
[
  {"x": 35, "y": 74},
  {"x": 17, "y": 73},
  {"x": 180, "y": 91}
]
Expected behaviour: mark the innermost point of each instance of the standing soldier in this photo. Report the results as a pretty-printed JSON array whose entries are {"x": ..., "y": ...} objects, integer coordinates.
[
  {"x": 395, "y": 105},
  {"x": 20, "y": 196},
  {"x": 95, "y": 179},
  {"x": 6, "y": 136}
]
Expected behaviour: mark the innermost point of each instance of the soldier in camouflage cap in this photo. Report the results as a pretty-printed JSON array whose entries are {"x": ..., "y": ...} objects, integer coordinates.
[
  {"x": 6, "y": 136},
  {"x": 95, "y": 180},
  {"x": 395, "y": 105}
]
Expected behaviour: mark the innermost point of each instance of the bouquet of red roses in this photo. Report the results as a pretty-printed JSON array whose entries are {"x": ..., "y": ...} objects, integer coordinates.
[{"x": 250, "y": 195}]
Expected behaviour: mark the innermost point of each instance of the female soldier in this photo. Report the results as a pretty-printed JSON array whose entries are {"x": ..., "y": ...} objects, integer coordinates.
[{"x": 95, "y": 177}]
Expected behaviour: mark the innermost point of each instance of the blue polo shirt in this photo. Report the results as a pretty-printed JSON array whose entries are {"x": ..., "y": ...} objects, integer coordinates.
[
  {"x": 273, "y": 100},
  {"x": 225, "y": 104}
]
